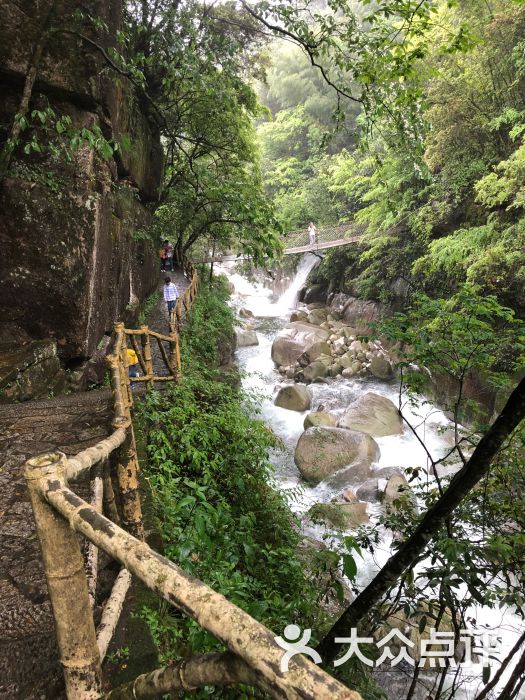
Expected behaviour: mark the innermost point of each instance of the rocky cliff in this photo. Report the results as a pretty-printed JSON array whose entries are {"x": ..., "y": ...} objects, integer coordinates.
[{"x": 72, "y": 255}]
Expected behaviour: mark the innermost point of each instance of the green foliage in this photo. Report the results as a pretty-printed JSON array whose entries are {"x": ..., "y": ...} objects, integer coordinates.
[
  {"x": 457, "y": 337},
  {"x": 209, "y": 473},
  {"x": 43, "y": 131}
]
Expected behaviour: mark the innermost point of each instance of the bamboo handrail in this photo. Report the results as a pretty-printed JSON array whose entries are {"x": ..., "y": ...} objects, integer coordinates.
[
  {"x": 83, "y": 461},
  {"x": 154, "y": 334},
  {"x": 241, "y": 633}
]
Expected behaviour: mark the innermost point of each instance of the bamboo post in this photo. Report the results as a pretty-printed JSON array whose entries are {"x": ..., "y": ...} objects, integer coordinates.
[
  {"x": 175, "y": 354},
  {"x": 110, "y": 506},
  {"x": 96, "y": 488},
  {"x": 138, "y": 353},
  {"x": 112, "y": 611},
  {"x": 66, "y": 583},
  {"x": 146, "y": 352},
  {"x": 124, "y": 363},
  {"x": 165, "y": 357},
  {"x": 127, "y": 477}
]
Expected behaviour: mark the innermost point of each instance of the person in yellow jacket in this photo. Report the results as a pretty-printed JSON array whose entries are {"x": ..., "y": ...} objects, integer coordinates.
[{"x": 133, "y": 362}]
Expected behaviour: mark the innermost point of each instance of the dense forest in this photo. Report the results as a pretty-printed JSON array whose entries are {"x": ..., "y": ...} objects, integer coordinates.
[{"x": 221, "y": 127}]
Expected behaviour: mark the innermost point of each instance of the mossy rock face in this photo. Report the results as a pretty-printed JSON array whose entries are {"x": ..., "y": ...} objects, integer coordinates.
[
  {"x": 322, "y": 451},
  {"x": 30, "y": 372}
]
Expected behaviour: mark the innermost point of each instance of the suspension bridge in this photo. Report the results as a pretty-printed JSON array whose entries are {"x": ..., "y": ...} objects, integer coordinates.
[{"x": 298, "y": 242}]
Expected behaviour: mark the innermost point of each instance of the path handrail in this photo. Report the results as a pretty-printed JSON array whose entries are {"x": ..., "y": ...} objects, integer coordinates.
[{"x": 60, "y": 513}]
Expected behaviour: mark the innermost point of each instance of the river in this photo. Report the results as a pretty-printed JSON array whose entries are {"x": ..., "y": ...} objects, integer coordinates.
[{"x": 271, "y": 314}]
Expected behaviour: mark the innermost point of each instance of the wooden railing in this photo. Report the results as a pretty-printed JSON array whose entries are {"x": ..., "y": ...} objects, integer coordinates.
[{"x": 253, "y": 657}]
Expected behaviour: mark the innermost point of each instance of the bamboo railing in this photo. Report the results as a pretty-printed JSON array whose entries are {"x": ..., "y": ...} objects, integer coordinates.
[{"x": 253, "y": 657}]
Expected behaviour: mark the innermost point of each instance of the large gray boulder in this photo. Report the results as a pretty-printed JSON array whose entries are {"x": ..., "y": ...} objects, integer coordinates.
[
  {"x": 344, "y": 516},
  {"x": 295, "y": 339},
  {"x": 317, "y": 349},
  {"x": 373, "y": 414},
  {"x": 381, "y": 368},
  {"x": 358, "y": 313},
  {"x": 295, "y": 397},
  {"x": 315, "y": 370},
  {"x": 245, "y": 337},
  {"x": 322, "y": 451}
]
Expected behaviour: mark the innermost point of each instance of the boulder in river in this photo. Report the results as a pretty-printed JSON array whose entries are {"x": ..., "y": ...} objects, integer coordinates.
[
  {"x": 398, "y": 488},
  {"x": 315, "y": 370},
  {"x": 294, "y": 397},
  {"x": 373, "y": 414},
  {"x": 246, "y": 337},
  {"x": 340, "y": 515},
  {"x": 245, "y": 313},
  {"x": 321, "y": 451},
  {"x": 369, "y": 491},
  {"x": 299, "y": 315},
  {"x": 294, "y": 340},
  {"x": 320, "y": 418},
  {"x": 317, "y": 316},
  {"x": 316, "y": 350},
  {"x": 381, "y": 368}
]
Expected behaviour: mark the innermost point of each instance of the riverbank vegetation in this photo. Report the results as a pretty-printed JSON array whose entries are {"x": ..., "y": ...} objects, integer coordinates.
[{"x": 210, "y": 477}]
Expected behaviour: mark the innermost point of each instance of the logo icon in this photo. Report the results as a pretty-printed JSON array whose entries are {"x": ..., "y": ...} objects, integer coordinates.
[{"x": 296, "y": 643}]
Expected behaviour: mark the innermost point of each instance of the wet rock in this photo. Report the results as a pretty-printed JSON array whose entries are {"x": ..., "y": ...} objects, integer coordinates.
[
  {"x": 317, "y": 349},
  {"x": 31, "y": 371},
  {"x": 344, "y": 516},
  {"x": 314, "y": 371},
  {"x": 294, "y": 397},
  {"x": 369, "y": 491},
  {"x": 396, "y": 488},
  {"x": 294, "y": 340},
  {"x": 381, "y": 368},
  {"x": 373, "y": 414},
  {"x": 320, "y": 418},
  {"x": 315, "y": 293},
  {"x": 349, "y": 496},
  {"x": 301, "y": 316},
  {"x": 317, "y": 316},
  {"x": 245, "y": 338},
  {"x": 322, "y": 451},
  {"x": 245, "y": 313},
  {"x": 348, "y": 372},
  {"x": 335, "y": 369},
  {"x": 346, "y": 360}
]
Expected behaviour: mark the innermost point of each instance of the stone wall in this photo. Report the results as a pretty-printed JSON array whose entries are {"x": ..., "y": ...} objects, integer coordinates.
[{"x": 71, "y": 260}]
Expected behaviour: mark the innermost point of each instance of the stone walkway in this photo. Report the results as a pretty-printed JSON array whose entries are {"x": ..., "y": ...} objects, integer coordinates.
[{"x": 28, "y": 654}]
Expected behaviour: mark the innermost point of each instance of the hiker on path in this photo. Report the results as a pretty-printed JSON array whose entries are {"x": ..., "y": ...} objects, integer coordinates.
[
  {"x": 166, "y": 257},
  {"x": 171, "y": 294},
  {"x": 312, "y": 233},
  {"x": 133, "y": 363}
]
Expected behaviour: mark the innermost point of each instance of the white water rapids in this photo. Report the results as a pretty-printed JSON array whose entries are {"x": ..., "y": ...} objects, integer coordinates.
[{"x": 402, "y": 451}]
